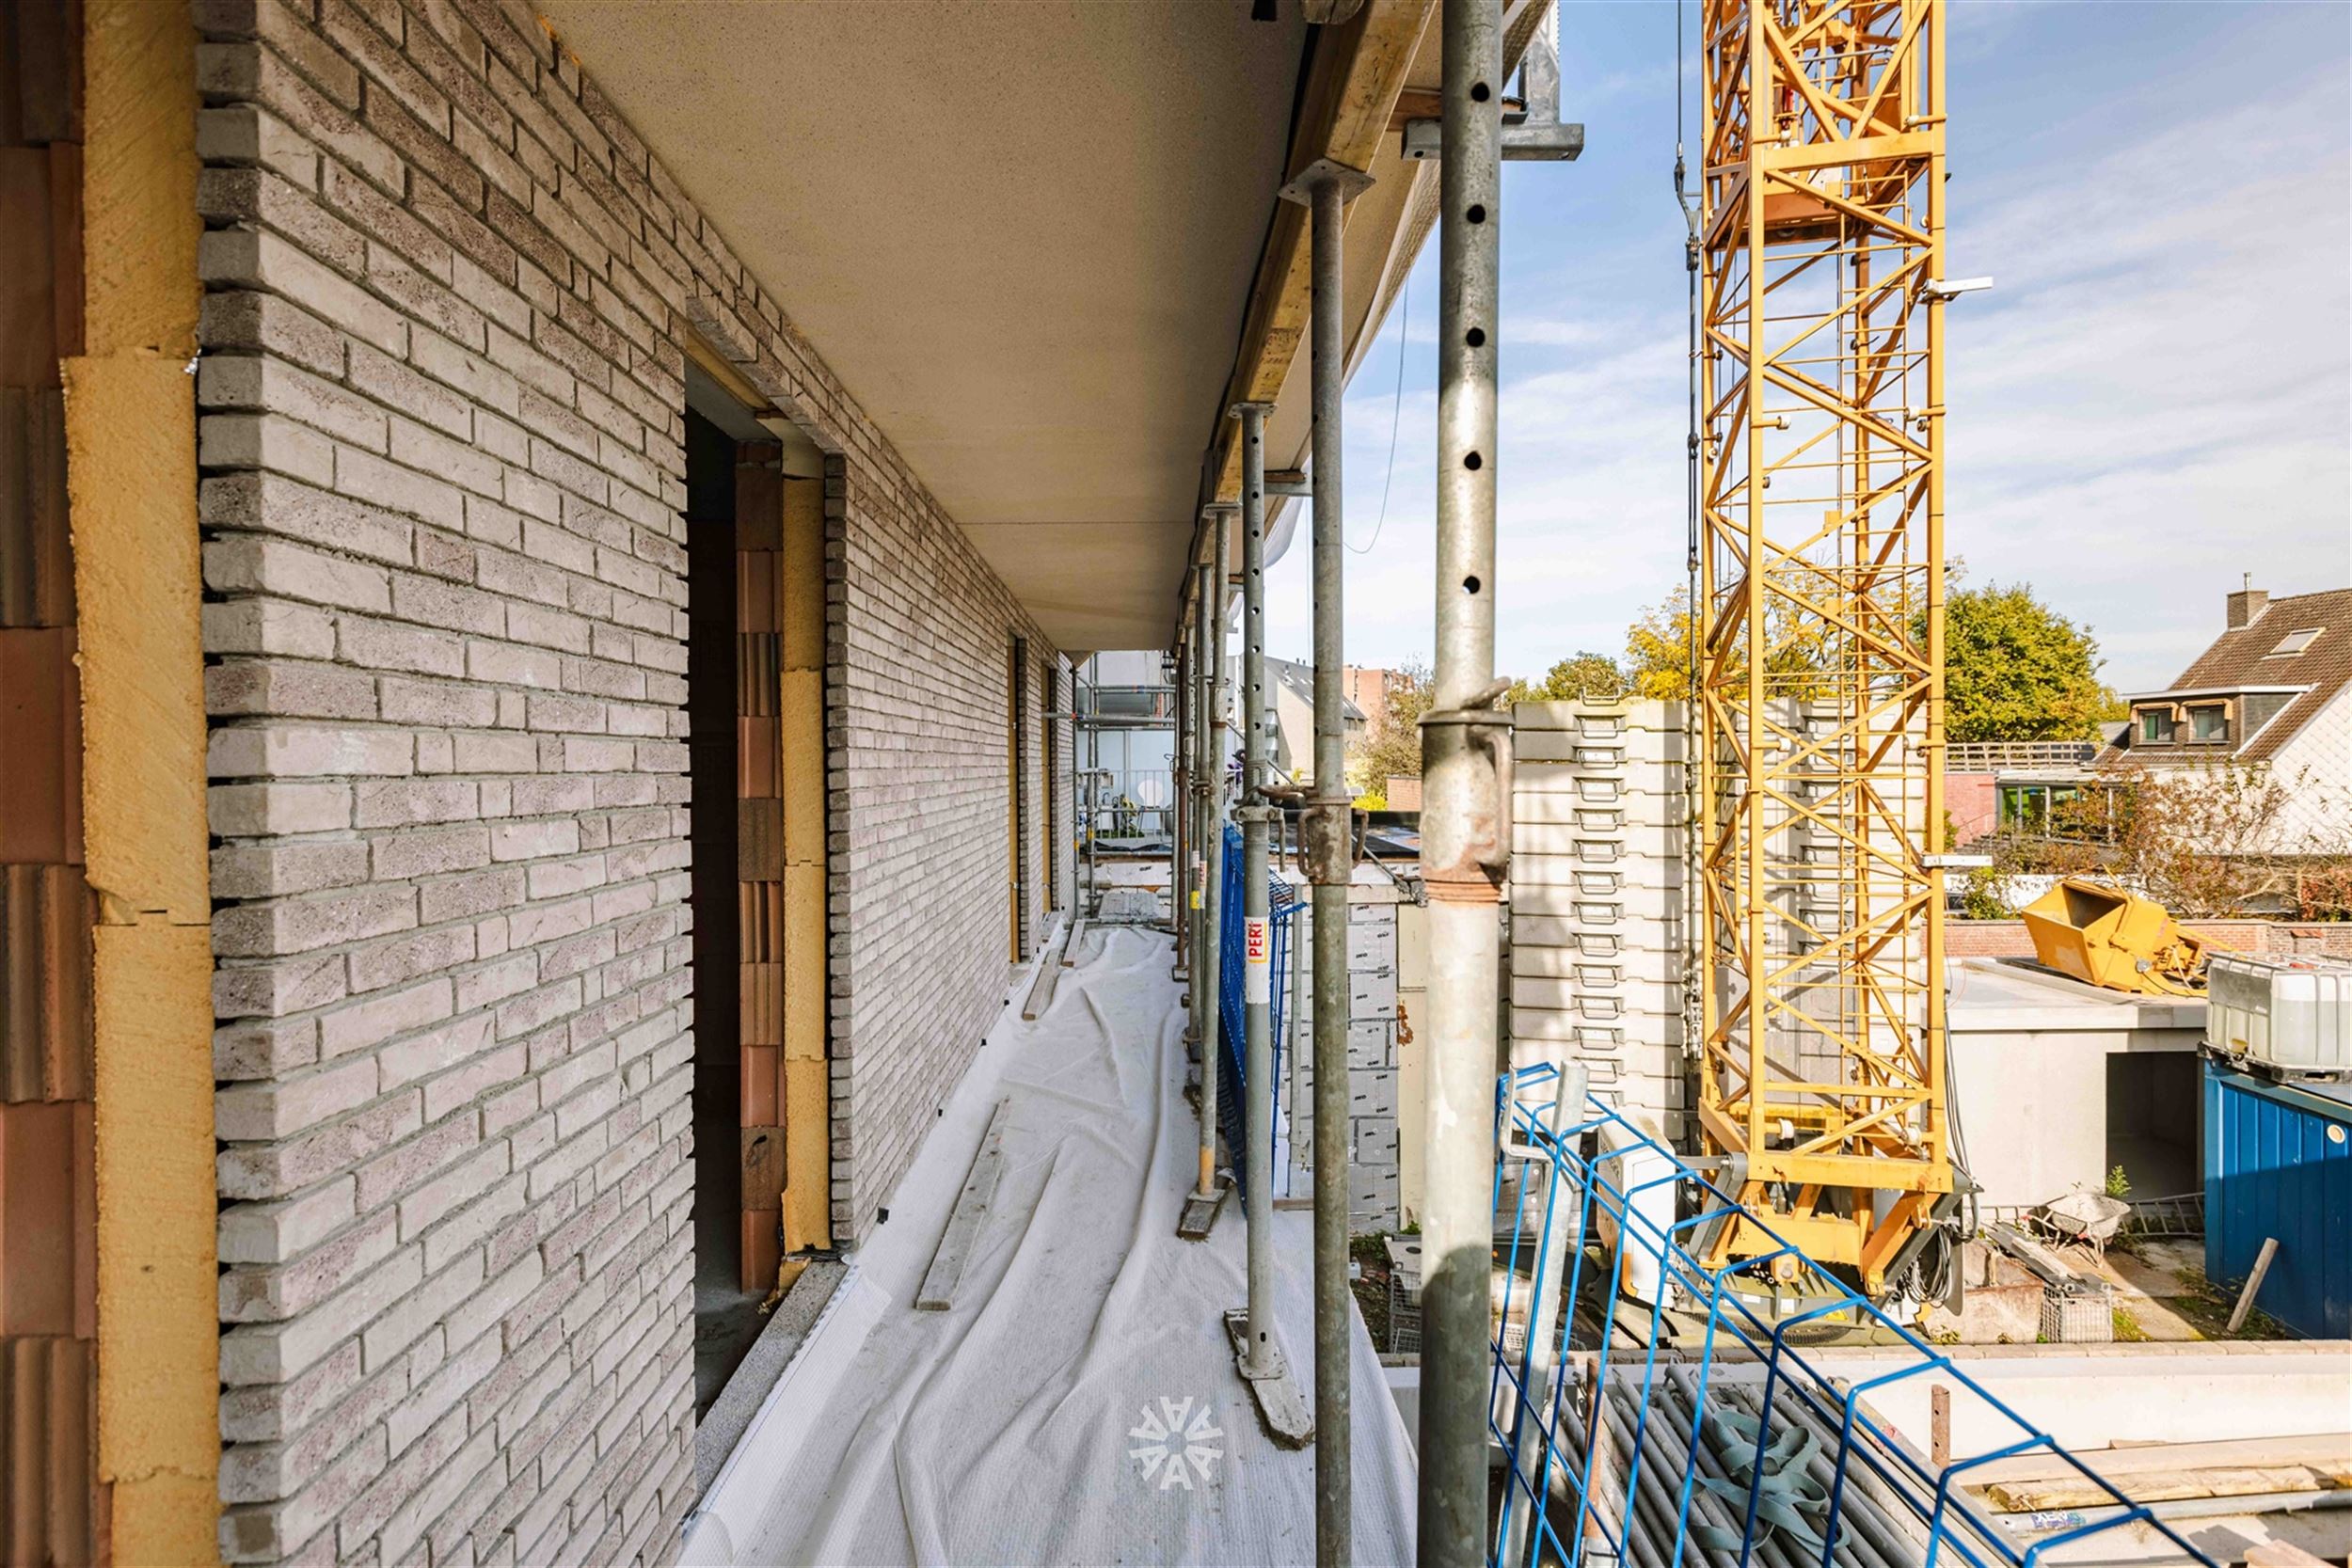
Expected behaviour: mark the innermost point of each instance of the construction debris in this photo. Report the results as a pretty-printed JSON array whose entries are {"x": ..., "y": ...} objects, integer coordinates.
[{"x": 955, "y": 1244}]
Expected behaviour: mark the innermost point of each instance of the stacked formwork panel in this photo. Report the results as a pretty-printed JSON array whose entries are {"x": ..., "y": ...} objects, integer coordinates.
[
  {"x": 1597, "y": 890},
  {"x": 1374, "y": 1198}
]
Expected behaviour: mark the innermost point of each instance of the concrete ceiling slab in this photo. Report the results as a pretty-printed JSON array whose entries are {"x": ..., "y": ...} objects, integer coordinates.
[{"x": 1022, "y": 234}]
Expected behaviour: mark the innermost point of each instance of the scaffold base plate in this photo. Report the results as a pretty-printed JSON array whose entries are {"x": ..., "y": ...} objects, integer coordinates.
[
  {"x": 1199, "y": 1215},
  {"x": 1282, "y": 1408}
]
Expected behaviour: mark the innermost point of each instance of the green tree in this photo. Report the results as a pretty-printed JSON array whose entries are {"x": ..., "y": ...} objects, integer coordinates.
[
  {"x": 2016, "y": 670},
  {"x": 1390, "y": 747},
  {"x": 1658, "y": 651},
  {"x": 1587, "y": 673}
]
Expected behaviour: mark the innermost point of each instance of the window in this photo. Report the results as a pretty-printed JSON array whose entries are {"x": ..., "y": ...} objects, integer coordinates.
[
  {"x": 2296, "y": 641},
  {"x": 2209, "y": 726},
  {"x": 2022, "y": 807},
  {"x": 2156, "y": 725}
]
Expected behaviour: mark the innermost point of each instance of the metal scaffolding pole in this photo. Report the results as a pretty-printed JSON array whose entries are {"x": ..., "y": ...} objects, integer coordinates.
[
  {"x": 1464, "y": 744},
  {"x": 1183, "y": 873},
  {"x": 1179, "y": 823},
  {"x": 1200, "y": 1211},
  {"x": 1257, "y": 944},
  {"x": 1260, "y": 1359},
  {"x": 1327, "y": 187}
]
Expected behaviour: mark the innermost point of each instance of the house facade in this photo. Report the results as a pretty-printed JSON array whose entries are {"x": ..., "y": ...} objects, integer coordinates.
[
  {"x": 542, "y": 562},
  {"x": 2273, "y": 696}
]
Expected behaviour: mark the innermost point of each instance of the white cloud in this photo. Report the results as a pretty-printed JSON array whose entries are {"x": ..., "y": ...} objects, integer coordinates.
[{"x": 2156, "y": 396}]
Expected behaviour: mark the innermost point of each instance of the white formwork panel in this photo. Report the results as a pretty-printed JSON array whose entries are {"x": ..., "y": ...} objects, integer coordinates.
[
  {"x": 1588, "y": 958},
  {"x": 1597, "y": 721},
  {"x": 1600, "y": 752},
  {"x": 1593, "y": 875},
  {"x": 1593, "y": 804},
  {"x": 1596, "y": 902},
  {"x": 1590, "y": 1004}
]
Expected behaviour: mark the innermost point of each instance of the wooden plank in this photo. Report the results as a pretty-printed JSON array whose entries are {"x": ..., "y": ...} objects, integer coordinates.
[
  {"x": 2321, "y": 1450},
  {"x": 1048, "y": 975},
  {"x": 938, "y": 1291},
  {"x": 1357, "y": 72},
  {"x": 727, "y": 373},
  {"x": 2253, "y": 1283},
  {"x": 1070, "y": 947},
  {"x": 2164, "y": 1486}
]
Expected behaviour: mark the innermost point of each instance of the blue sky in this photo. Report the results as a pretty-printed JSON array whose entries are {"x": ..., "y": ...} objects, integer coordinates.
[{"x": 2156, "y": 398}]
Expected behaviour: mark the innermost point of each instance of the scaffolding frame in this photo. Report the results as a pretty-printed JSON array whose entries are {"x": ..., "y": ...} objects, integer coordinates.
[
  {"x": 1739, "y": 1444},
  {"x": 1819, "y": 623}
]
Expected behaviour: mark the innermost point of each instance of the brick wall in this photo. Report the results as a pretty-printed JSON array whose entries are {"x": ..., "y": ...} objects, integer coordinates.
[
  {"x": 1971, "y": 801},
  {"x": 918, "y": 671},
  {"x": 441, "y": 394},
  {"x": 2270, "y": 939}
]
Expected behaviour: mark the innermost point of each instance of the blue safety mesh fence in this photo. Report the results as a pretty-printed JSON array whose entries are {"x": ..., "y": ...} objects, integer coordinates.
[
  {"x": 1282, "y": 905},
  {"x": 1736, "y": 1445}
]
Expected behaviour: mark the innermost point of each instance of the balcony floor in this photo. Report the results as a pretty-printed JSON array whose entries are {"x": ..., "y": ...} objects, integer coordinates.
[{"x": 1002, "y": 1430}]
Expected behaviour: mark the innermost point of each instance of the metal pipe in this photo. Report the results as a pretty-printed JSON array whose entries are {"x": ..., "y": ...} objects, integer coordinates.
[
  {"x": 1257, "y": 947},
  {"x": 1179, "y": 913},
  {"x": 1327, "y": 187},
  {"x": 1196, "y": 794},
  {"x": 1461, "y": 815},
  {"x": 1206, "y": 967}
]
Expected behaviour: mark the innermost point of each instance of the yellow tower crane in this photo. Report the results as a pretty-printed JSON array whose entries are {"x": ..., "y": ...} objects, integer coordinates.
[{"x": 1820, "y": 624}]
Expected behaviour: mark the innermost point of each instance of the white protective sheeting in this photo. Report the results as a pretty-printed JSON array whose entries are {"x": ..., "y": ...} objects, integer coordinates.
[{"x": 1003, "y": 1430}]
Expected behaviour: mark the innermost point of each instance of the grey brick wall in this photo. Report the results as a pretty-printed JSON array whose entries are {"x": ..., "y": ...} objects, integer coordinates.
[
  {"x": 442, "y": 401},
  {"x": 917, "y": 681}
]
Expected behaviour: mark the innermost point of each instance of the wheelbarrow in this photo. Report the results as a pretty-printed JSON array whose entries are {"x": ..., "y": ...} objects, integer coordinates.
[{"x": 2091, "y": 1218}]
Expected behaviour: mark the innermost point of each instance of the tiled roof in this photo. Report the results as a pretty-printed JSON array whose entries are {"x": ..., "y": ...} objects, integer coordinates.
[{"x": 2246, "y": 658}]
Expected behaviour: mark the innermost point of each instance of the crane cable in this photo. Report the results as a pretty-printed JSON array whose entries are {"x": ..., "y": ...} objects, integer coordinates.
[
  {"x": 1396, "y": 413},
  {"x": 1697, "y": 924}
]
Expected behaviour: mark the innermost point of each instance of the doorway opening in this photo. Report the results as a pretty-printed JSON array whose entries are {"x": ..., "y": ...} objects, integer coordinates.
[
  {"x": 2153, "y": 1106},
  {"x": 755, "y": 770}
]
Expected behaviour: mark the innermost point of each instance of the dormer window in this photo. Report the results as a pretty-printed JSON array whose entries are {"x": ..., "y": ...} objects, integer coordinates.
[
  {"x": 2155, "y": 726},
  {"x": 2296, "y": 641},
  {"x": 2209, "y": 725}
]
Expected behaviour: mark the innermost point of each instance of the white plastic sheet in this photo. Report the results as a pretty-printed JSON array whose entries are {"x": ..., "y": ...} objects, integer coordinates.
[{"x": 1024, "y": 1424}]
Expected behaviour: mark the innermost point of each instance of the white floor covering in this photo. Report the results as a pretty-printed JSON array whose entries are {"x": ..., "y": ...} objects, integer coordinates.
[{"x": 1000, "y": 1432}]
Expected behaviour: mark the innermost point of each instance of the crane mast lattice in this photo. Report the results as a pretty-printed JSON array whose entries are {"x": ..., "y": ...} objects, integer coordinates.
[{"x": 1820, "y": 622}]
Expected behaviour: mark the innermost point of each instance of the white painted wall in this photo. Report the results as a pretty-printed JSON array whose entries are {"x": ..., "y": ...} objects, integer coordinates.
[
  {"x": 2320, "y": 820},
  {"x": 2029, "y": 1068}
]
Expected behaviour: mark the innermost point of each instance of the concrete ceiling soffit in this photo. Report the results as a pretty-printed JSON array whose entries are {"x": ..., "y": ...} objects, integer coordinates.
[{"x": 1369, "y": 73}]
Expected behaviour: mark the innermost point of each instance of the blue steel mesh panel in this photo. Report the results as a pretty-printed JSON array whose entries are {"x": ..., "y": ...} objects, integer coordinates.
[
  {"x": 1282, "y": 904},
  {"x": 1739, "y": 1449}
]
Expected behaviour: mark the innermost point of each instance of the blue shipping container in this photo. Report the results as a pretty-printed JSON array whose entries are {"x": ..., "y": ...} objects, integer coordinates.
[{"x": 2279, "y": 1162}]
